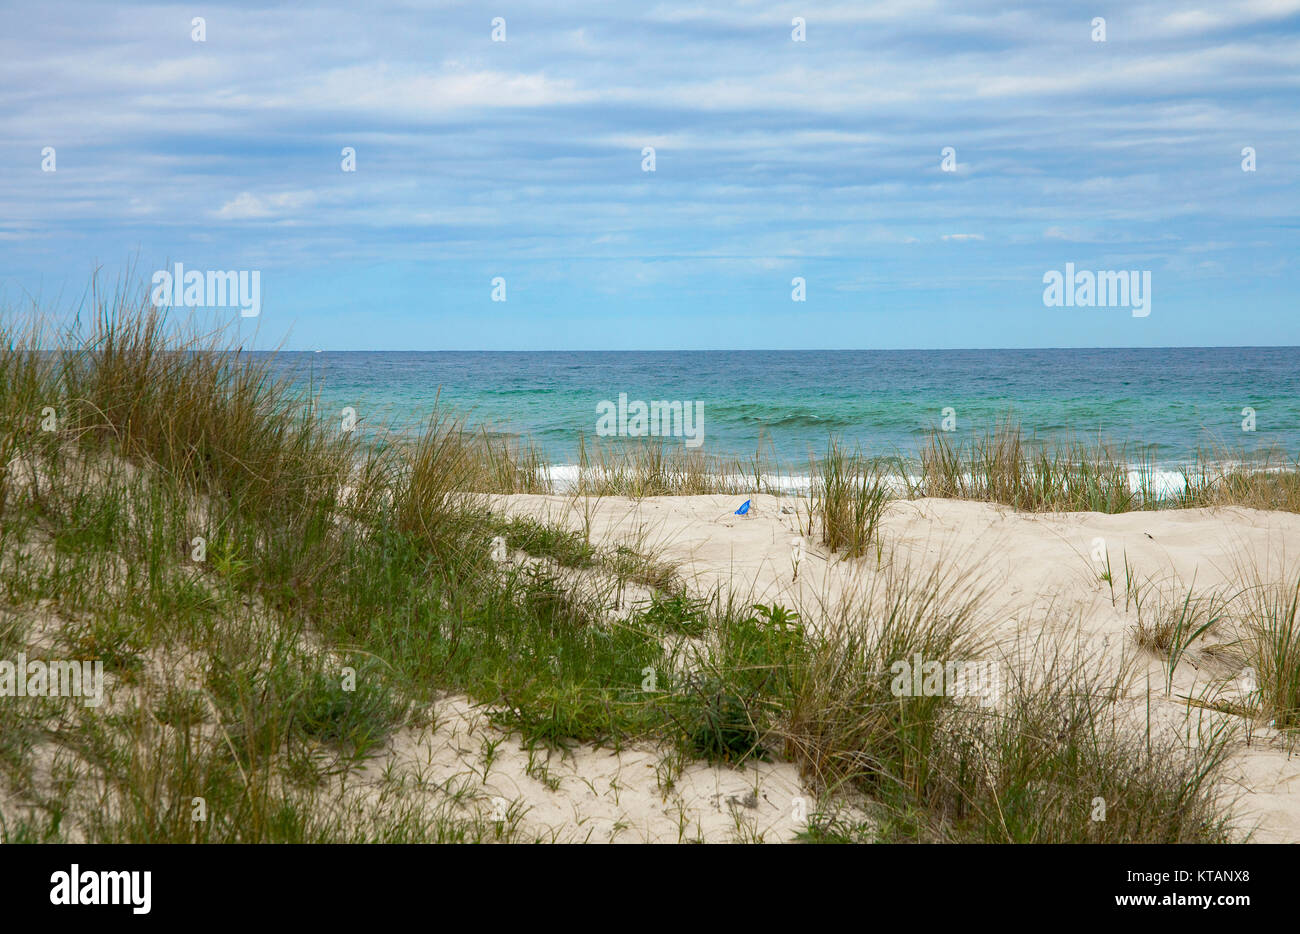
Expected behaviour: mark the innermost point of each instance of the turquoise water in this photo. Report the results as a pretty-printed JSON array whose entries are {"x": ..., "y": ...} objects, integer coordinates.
[{"x": 790, "y": 402}]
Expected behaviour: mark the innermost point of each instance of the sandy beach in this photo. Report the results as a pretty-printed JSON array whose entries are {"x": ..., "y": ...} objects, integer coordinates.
[{"x": 1037, "y": 571}]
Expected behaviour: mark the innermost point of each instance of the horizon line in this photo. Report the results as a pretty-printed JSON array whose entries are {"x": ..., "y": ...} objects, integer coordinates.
[{"x": 778, "y": 349}]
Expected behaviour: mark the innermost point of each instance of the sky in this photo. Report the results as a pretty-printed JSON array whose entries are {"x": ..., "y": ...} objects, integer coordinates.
[{"x": 522, "y": 161}]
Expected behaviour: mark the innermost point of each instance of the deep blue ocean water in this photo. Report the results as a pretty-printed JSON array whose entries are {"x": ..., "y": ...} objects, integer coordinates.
[{"x": 791, "y": 402}]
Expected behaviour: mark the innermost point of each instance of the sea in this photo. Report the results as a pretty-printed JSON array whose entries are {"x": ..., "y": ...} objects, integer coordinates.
[{"x": 1159, "y": 405}]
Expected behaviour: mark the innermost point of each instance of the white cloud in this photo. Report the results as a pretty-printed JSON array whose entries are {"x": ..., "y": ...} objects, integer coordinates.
[
  {"x": 248, "y": 206},
  {"x": 403, "y": 91}
]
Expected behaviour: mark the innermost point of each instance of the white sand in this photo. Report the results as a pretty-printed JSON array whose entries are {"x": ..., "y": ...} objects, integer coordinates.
[{"x": 1038, "y": 571}]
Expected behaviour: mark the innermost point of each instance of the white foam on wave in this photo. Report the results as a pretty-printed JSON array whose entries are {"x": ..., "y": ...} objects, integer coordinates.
[{"x": 1165, "y": 484}]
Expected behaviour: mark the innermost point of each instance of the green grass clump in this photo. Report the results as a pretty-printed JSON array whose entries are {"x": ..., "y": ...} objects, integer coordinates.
[
  {"x": 1272, "y": 638},
  {"x": 1059, "y": 761},
  {"x": 1172, "y": 626},
  {"x": 849, "y": 495},
  {"x": 566, "y": 548},
  {"x": 845, "y": 723},
  {"x": 1000, "y": 466},
  {"x": 732, "y": 706},
  {"x": 1267, "y": 480},
  {"x": 1054, "y": 749},
  {"x": 678, "y": 614}
]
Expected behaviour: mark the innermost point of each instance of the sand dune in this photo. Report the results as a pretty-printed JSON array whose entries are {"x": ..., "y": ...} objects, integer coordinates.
[{"x": 1038, "y": 572}]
